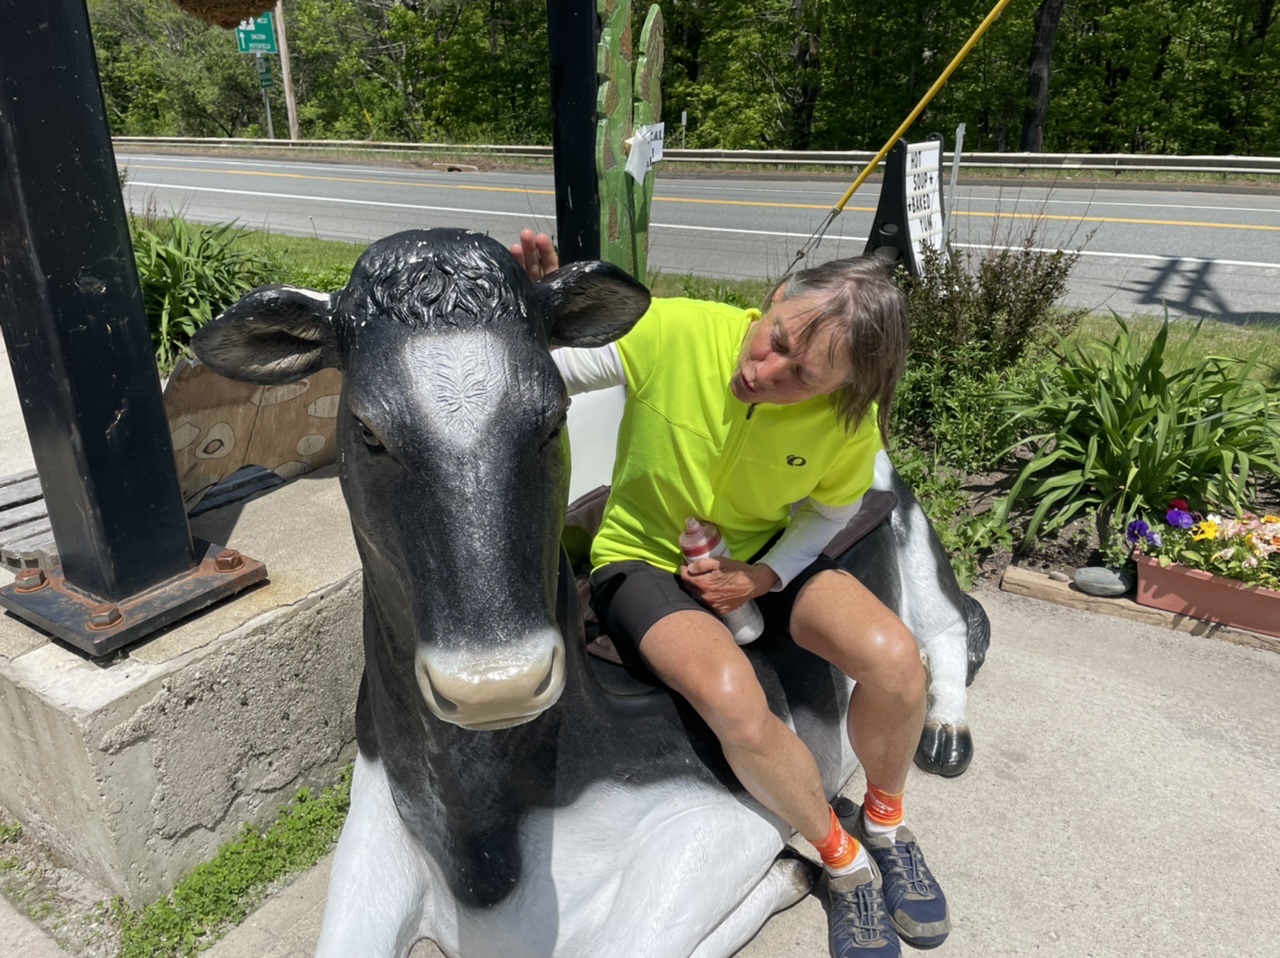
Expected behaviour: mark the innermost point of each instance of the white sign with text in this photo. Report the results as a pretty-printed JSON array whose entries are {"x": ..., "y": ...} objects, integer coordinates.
[
  {"x": 646, "y": 149},
  {"x": 924, "y": 196}
]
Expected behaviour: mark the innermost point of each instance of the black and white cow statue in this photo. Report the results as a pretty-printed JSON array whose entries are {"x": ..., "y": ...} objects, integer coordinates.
[{"x": 506, "y": 800}]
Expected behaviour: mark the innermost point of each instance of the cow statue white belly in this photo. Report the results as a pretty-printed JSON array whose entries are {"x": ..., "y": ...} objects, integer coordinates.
[{"x": 512, "y": 797}]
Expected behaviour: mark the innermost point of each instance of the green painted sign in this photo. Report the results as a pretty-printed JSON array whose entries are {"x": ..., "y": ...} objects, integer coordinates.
[
  {"x": 265, "y": 79},
  {"x": 257, "y": 35}
]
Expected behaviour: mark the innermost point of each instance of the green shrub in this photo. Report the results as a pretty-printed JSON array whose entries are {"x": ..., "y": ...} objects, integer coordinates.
[
  {"x": 977, "y": 324},
  {"x": 1000, "y": 301},
  {"x": 189, "y": 274},
  {"x": 966, "y": 535},
  {"x": 1117, "y": 433},
  {"x": 948, "y": 406}
]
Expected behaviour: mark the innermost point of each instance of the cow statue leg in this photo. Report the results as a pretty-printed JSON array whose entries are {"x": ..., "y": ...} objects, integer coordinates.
[
  {"x": 665, "y": 891},
  {"x": 787, "y": 881},
  {"x": 378, "y": 887},
  {"x": 951, "y": 627}
]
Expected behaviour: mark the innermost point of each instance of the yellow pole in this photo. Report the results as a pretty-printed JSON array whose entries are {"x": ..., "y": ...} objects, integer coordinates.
[{"x": 937, "y": 85}]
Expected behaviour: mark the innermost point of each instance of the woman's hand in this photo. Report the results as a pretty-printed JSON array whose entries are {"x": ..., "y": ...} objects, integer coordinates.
[
  {"x": 536, "y": 253},
  {"x": 726, "y": 584}
]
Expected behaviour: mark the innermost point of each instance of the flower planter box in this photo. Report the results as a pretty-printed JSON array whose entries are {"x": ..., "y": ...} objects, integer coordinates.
[{"x": 1209, "y": 597}]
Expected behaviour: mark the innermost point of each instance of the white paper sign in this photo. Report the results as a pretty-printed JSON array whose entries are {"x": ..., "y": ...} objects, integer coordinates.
[
  {"x": 924, "y": 196},
  {"x": 646, "y": 149}
]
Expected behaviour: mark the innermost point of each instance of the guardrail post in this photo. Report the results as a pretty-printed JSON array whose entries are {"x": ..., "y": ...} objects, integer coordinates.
[{"x": 78, "y": 340}]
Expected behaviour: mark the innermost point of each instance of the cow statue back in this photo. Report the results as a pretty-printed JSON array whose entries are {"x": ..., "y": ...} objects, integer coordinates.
[{"x": 506, "y": 800}]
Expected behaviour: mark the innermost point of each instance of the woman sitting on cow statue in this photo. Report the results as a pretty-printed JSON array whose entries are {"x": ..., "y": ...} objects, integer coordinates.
[{"x": 732, "y": 416}]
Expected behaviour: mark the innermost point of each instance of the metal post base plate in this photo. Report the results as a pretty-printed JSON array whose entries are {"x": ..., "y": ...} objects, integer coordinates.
[{"x": 98, "y": 627}]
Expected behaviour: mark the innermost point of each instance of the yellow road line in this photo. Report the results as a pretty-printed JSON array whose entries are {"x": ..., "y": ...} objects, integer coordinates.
[{"x": 1133, "y": 221}]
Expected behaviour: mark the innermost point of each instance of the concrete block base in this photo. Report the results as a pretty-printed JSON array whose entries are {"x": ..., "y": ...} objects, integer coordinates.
[{"x": 134, "y": 769}]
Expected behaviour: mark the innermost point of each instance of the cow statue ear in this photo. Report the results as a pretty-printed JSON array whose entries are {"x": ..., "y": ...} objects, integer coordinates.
[
  {"x": 591, "y": 303},
  {"x": 273, "y": 335}
]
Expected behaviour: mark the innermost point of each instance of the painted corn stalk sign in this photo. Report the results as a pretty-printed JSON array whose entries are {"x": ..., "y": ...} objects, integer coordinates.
[{"x": 630, "y": 99}]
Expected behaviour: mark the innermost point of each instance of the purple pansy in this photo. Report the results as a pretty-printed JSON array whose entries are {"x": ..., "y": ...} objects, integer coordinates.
[
  {"x": 1137, "y": 530},
  {"x": 1155, "y": 539},
  {"x": 1179, "y": 519}
]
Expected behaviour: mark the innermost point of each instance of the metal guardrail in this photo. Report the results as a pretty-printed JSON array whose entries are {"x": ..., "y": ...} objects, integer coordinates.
[{"x": 1062, "y": 162}]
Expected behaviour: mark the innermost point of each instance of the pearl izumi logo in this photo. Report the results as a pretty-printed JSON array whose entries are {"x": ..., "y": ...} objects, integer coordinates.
[{"x": 797, "y": 461}]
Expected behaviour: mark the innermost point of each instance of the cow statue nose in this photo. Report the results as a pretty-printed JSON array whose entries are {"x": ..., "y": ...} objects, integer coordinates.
[{"x": 509, "y": 683}]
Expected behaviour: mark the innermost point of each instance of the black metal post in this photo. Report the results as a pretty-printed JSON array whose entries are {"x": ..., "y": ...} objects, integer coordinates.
[
  {"x": 573, "y": 33},
  {"x": 78, "y": 341},
  {"x": 890, "y": 238}
]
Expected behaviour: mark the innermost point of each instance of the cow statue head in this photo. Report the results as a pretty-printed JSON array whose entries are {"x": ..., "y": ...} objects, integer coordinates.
[{"x": 450, "y": 453}]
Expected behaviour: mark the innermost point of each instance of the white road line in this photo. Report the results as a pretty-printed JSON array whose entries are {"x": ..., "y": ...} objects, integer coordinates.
[{"x": 680, "y": 226}]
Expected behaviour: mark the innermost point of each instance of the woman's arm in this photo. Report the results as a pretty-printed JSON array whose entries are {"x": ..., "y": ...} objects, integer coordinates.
[
  {"x": 813, "y": 526},
  {"x": 585, "y": 370}
]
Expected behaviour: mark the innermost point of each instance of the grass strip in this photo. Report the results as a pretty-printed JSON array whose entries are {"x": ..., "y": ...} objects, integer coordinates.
[{"x": 219, "y": 894}]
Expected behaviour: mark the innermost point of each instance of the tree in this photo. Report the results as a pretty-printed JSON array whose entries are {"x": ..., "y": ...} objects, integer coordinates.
[{"x": 1047, "y": 17}]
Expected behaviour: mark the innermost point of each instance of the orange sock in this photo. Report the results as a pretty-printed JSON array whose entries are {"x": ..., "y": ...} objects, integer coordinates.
[
  {"x": 839, "y": 848},
  {"x": 882, "y": 808}
]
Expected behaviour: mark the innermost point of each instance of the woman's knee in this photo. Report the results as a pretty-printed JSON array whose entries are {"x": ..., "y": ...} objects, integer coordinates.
[
  {"x": 731, "y": 701},
  {"x": 894, "y": 664}
]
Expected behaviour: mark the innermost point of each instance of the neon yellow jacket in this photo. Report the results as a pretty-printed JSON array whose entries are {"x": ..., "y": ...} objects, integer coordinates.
[{"x": 687, "y": 447}]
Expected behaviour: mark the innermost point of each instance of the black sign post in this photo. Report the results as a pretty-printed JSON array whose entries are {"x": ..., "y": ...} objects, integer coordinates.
[
  {"x": 909, "y": 215},
  {"x": 77, "y": 336},
  {"x": 573, "y": 34}
]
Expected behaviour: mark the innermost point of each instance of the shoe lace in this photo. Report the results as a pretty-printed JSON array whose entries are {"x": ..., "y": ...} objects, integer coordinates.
[
  {"x": 907, "y": 860},
  {"x": 864, "y": 910}
]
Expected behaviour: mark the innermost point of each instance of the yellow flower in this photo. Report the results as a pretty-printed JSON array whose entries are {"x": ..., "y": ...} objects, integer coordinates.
[
  {"x": 1208, "y": 529},
  {"x": 1271, "y": 520}
]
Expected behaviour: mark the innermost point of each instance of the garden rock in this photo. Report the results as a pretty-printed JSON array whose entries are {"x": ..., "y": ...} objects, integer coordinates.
[{"x": 1097, "y": 580}]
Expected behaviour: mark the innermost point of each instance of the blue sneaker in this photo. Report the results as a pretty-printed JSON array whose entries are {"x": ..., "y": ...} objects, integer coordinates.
[
  {"x": 917, "y": 908},
  {"x": 859, "y": 926}
]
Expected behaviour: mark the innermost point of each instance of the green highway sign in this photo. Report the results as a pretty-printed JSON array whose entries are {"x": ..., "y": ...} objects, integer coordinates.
[
  {"x": 257, "y": 35},
  {"x": 265, "y": 78}
]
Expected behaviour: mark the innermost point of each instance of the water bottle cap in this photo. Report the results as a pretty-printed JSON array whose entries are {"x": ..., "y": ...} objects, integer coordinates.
[{"x": 698, "y": 539}]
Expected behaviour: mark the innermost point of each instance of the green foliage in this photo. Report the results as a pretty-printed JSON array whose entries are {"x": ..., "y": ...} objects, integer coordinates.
[
  {"x": 189, "y": 274},
  {"x": 1120, "y": 428},
  {"x": 1140, "y": 76},
  {"x": 745, "y": 294},
  {"x": 327, "y": 279},
  {"x": 976, "y": 320},
  {"x": 965, "y": 534},
  {"x": 9, "y": 831},
  {"x": 221, "y": 892}
]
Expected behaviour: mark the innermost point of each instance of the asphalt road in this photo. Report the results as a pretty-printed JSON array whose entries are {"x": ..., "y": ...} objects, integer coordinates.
[{"x": 1215, "y": 254}]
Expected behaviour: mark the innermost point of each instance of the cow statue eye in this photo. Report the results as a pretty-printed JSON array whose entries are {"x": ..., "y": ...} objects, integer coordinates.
[
  {"x": 370, "y": 439},
  {"x": 554, "y": 435}
]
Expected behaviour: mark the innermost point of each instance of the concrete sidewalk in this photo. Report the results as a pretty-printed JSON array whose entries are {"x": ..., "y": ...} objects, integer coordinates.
[{"x": 1122, "y": 802}]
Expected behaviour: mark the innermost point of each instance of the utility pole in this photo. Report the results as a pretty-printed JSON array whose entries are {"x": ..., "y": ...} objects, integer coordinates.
[{"x": 286, "y": 73}]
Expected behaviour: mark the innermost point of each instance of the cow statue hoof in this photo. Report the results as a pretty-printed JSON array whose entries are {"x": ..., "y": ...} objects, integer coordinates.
[{"x": 944, "y": 749}]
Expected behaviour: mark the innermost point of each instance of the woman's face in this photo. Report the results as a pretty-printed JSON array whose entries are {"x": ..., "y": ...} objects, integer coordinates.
[{"x": 775, "y": 367}]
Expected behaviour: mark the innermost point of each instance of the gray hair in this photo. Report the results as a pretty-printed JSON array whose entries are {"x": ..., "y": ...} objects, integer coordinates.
[{"x": 858, "y": 300}]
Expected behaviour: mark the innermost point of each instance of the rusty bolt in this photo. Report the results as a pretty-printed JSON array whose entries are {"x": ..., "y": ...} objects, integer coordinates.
[
  {"x": 31, "y": 580},
  {"x": 104, "y": 616},
  {"x": 228, "y": 560}
]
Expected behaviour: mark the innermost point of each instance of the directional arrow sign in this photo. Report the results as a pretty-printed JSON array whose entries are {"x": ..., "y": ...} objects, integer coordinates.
[{"x": 257, "y": 35}]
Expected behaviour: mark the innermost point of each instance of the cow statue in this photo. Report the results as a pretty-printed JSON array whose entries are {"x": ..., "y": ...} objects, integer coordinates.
[{"x": 510, "y": 797}]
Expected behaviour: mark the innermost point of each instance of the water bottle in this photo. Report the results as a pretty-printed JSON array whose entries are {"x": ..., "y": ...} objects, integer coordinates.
[{"x": 702, "y": 540}]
